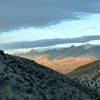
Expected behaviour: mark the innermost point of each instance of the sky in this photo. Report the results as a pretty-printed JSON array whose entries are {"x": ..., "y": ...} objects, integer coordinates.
[
  {"x": 31, "y": 20},
  {"x": 75, "y": 28}
]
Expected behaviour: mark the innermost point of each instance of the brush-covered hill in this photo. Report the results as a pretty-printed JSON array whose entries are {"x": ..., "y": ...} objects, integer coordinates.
[
  {"x": 85, "y": 69},
  {"x": 88, "y": 76},
  {"x": 23, "y": 79}
]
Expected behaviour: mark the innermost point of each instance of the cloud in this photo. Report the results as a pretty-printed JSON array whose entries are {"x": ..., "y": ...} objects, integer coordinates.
[
  {"x": 15, "y": 14},
  {"x": 87, "y": 27},
  {"x": 48, "y": 42}
]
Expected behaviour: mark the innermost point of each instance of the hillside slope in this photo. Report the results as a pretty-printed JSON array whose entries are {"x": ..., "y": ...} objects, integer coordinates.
[
  {"x": 22, "y": 79},
  {"x": 85, "y": 69},
  {"x": 64, "y": 65},
  {"x": 88, "y": 76}
]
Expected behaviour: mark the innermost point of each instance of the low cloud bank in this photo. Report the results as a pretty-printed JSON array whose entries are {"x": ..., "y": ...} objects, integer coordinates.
[{"x": 48, "y": 42}]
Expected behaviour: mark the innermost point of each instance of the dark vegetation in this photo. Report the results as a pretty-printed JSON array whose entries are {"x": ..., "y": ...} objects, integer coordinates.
[{"x": 88, "y": 77}]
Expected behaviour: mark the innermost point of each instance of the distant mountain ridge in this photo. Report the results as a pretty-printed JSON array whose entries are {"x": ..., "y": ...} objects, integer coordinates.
[{"x": 73, "y": 51}]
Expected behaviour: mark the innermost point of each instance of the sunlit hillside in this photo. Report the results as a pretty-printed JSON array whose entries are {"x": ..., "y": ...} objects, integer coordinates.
[{"x": 64, "y": 65}]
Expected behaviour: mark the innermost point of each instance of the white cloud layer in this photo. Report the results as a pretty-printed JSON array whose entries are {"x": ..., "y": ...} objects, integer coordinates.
[{"x": 87, "y": 27}]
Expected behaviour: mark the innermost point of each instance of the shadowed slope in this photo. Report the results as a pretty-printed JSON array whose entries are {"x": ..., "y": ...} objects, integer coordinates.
[
  {"x": 85, "y": 69},
  {"x": 88, "y": 76}
]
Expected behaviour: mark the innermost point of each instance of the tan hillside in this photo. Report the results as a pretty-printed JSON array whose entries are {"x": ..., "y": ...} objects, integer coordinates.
[{"x": 64, "y": 65}]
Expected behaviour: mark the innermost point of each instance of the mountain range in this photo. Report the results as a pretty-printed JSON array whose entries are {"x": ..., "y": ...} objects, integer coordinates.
[
  {"x": 64, "y": 60},
  {"x": 73, "y": 51}
]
